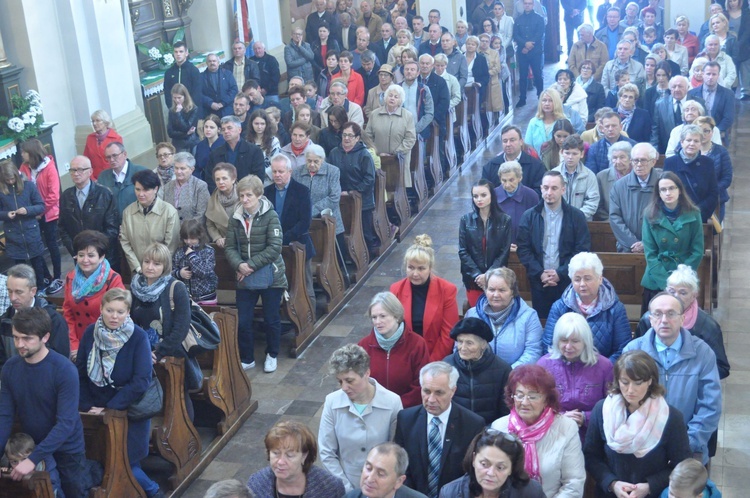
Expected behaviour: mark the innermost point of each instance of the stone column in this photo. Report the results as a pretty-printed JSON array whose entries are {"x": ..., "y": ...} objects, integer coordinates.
[{"x": 3, "y": 59}]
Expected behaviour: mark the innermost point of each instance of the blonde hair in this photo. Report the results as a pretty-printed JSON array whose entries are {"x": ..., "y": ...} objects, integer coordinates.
[
  {"x": 158, "y": 253},
  {"x": 421, "y": 251},
  {"x": 250, "y": 183},
  {"x": 180, "y": 89},
  {"x": 118, "y": 294},
  {"x": 689, "y": 475},
  {"x": 557, "y": 109}
]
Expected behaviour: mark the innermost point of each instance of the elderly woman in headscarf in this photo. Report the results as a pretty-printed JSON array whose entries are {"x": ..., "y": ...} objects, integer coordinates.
[{"x": 594, "y": 297}]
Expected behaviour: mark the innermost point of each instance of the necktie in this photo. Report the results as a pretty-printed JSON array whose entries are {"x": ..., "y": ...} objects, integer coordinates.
[
  {"x": 678, "y": 114},
  {"x": 435, "y": 450},
  {"x": 81, "y": 198}
]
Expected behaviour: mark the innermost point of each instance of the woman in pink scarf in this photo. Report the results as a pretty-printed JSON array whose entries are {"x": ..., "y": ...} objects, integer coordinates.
[
  {"x": 96, "y": 142},
  {"x": 635, "y": 438},
  {"x": 552, "y": 448}
]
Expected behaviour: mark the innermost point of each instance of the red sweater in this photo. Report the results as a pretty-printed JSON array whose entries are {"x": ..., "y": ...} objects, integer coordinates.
[
  {"x": 95, "y": 152},
  {"x": 398, "y": 370}
]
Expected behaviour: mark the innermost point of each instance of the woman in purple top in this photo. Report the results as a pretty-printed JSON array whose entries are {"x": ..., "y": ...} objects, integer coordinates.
[
  {"x": 514, "y": 197},
  {"x": 581, "y": 374}
]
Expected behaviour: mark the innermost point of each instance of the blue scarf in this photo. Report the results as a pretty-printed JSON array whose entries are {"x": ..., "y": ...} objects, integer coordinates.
[{"x": 387, "y": 344}]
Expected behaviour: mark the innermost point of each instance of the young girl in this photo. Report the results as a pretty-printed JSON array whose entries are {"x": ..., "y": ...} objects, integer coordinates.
[
  {"x": 262, "y": 132},
  {"x": 183, "y": 119},
  {"x": 194, "y": 263},
  {"x": 40, "y": 169},
  {"x": 311, "y": 92}
]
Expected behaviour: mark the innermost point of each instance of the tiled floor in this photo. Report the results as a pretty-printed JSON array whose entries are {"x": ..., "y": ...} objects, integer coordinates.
[{"x": 298, "y": 388}]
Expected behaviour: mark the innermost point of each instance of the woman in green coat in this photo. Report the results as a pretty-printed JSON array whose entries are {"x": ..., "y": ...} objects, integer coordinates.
[
  {"x": 253, "y": 248},
  {"x": 672, "y": 234}
]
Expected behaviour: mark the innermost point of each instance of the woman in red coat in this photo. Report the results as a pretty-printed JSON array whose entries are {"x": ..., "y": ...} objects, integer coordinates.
[
  {"x": 396, "y": 353},
  {"x": 96, "y": 142},
  {"x": 429, "y": 302},
  {"x": 354, "y": 81}
]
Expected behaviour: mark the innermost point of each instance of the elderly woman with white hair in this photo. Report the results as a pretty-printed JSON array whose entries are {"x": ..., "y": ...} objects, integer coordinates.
[
  {"x": 103, "y": 135},
  {"x": 323, "y": 181},
  {"x": 619, "y": 167},
  {"x": 691, "y": 110},
  {"x": 683, "y": 283},
  {"x": 582, "y": 374},
  {"x": 186, "y": 192},
  {"x": 391, "y": 129},
  {"x": 594, "y": 297}
]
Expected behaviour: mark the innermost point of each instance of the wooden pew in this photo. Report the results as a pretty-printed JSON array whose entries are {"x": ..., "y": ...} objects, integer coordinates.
[
  {"x": 394, "y": 168},
  {"x": 325, "y": 263},
  {"x": 173, "y": 435},
  {"x": 462, "y": 127},
  {"x": 433, "y": 147},
  {"x": 473, "y": 106},
  {"x": 225, "y": 384},
  {"x": 351, "y": 213},
  {"x": 35, "y": 485},
  {"x": 383, "y": 228},
  {"x": 418, "y": 178},
  {"x": 450, "y": 143},
  {"x": 106, "y": 436}
]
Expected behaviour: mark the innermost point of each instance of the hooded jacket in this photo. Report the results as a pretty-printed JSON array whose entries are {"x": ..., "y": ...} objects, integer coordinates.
[{"x": 357, "y": 172}]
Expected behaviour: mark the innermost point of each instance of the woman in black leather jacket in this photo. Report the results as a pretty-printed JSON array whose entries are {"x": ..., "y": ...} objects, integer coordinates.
[{"x": 484, "y": 237}]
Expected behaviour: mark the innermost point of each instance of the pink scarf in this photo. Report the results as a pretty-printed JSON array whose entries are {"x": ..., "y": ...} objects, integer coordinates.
[
  {"x": 638, "y": 433},
  {"x": 691, "y": 315},
  {"x": 586, "y": 309},
  {"x": 529, "y": 436}
]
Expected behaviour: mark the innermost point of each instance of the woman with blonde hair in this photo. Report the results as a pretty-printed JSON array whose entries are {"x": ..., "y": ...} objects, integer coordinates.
[
  {"x": 430, "y": 307},
  {"x": 183, "y": 120},
  {"x": 404, "y": 40},
  {"x": 104, "y": 134},
  {"x": 550, "y": 110}
]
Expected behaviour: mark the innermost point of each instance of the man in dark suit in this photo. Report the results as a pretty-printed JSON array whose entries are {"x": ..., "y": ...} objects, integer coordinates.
[
  {"x": 346, "y": 32},
  {"x": 246, "y": 157},
  {"x": 668, "y": 112},
  {"x": 513, "y": 150},
  {"x": 182, "y": 71},
  {"x": 432, "y": 45},
  {"x": 269, "y": 72},
  {"x": 369, "y": 70},
  {"x": 438, "y": 427},
  {"x": 719, "y": 100},
  {"x": 315, "y": 19},
  {"x": 119, "y": 177},
  {"x": 219, "y": 88},
  {"x": 382, "y": 47},
  {"x": 292, "y": 203},
  {"x": 441, "y": 100}
]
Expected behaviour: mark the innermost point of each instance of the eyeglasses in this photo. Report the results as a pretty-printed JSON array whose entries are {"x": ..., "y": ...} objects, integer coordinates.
[
  {"x": 664, "y": 190},
  {"x": 680, "y": 292},
  {"x": 640, "y": 161},
  {"x": 671, "y": 315},
  {"x": 532, "y": 397},
  {"x": 78, "y": 170},
  {"x": 112, "y": 157},
  {"x": 336, "y": 94},
  {"x": 164, "y": 155},
  {"x": 348, "y": 135}
]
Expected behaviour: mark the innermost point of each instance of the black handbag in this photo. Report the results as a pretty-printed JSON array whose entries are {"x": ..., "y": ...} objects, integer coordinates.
[
  {"x": 203, "y": 334},
  {"x": 149, "y": 404}
]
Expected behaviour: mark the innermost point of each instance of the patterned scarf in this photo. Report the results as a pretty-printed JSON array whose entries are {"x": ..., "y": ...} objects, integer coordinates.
[
  {"x": 387, "y": 344},
  {"x": 228, "y": 201},
  {"x": 166, "y": 174},
  {"x": 107, "y": 343},
  {"x": 625, "y": 116},
  {"x": 638, "y": 433},
  {"x": 149, "y": 293},
  {"x": 529, "y": 436},
  {"x": 497, "y": 318},
  {"x": 84, "y": 286},
  {"x": 586, "y": 309}
]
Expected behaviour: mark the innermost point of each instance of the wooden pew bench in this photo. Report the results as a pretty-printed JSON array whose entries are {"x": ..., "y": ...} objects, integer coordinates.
[
  {"x": 461, "y": 128},
  {"x": 35, "y": 485},
  {"x": 473, "y": 106},
  {"x": 433, "y": 159},
  {"x": 383, "y": 228},
  {"x": 325, "y": 264},
  {"x": 350, "y": 205},
  {"x": 394, "y": 168},
  {"x": 450, "y": 143},
  {"x": 419, "y": 191}
]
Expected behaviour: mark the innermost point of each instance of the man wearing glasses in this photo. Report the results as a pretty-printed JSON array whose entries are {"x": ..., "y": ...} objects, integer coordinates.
[
  {"x": 88, "y": 206},
  {"x": 118, "y": 178},
  {"x": 687, "y": 369}
]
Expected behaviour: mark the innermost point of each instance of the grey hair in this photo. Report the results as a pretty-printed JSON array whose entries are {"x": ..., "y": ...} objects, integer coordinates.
[
  {"x": 712, "y": 37},
  {"x": 367, "y": 56},
  {"x": 472, "y": 38},
  {"x": 340, "y": 84},
  {"x": 677, "y": 78},
  {"x": 442, "y": 58},
  {"x": 652, "y": 152},
  {"x": 624, "y": 42},
  {"x": 390, "y": 304},
  {"x": 585, "y": 28},
  {"x": 23, "y": 271},
  {"x": 229, "y": 488},
  {"x": 402, "y": 457},
  {"x": 619, "y": 147},
  {"x": 512, "y": 167},
  {"x": 690, "y": 129},
  {"x": 658, "y": 46},
  {"x": 351, "y": 357},
  {"x": 316, "y": 150},
  {"x": 630, "y": 87},
  {"x": 103, "y": 115},
  {"x": 398, "y": 90},
  {"x": 585, "y": 261},
  {"x": 427, "y": 57},
  {"x": 439, "y": 368},
  {"x": 684, "y": 275},
  {"x": 231, "y": 119},
  {"x": 574, "y": 324},
  {"x": 185, "y": 158},
  {"x": 282, "y": 157},
  {"x": 695, "y": 103},
  {"x": 259, "y": 44}
]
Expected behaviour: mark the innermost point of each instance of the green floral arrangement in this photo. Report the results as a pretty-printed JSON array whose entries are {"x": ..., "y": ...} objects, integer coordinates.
[
  {"x": 26, "y": 121},
  {"x": 162, "y": 54}
]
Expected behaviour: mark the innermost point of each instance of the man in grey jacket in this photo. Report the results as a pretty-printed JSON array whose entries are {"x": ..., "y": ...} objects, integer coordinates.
[
  {"x": 457, "y": 64},
  {"x": 629, "y": 197},
  {"x": 384, "y": 474}
]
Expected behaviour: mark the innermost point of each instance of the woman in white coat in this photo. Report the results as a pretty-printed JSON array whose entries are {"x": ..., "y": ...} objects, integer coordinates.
[
  {"x": 357, "y": 417},
  {"x": 572, "y": 95}
]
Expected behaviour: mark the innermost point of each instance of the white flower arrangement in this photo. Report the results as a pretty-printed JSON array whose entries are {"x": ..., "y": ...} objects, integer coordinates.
[{"x": 26, "y": 121}]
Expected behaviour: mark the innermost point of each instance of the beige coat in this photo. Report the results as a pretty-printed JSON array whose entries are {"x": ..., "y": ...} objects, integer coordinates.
[
  {"x": 393, "y": 134},
  {"x": 597, "y": 52},
  {"x": 376, "y": 22},
  {"x": 138, "y": 231},
  {"x": 495, "y": 93},
  {"x": 217, "y": 218}
]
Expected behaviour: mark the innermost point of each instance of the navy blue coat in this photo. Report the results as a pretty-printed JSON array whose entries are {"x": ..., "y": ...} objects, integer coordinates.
[
  {"x": 222, "y": 94},
  {"x": 188, "y": 75},
  {"x": 533, "y": 171},
  {"x": 23, "y": 239},
  {"x": 699, "y": 178},
  {"x": 297, "y": 215},
  {"x": 639, "y": 129},
  {"x": 594, "y": 98},
  {"x": 249, "y": 160},
  {"x": 723, "y": 109},
  {"x": 481, "y": 384},
  {"x": 441, "y": 98}
]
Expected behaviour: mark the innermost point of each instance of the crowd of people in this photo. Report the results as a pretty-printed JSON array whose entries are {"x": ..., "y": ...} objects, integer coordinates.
[{"x": 431, "y": 404}]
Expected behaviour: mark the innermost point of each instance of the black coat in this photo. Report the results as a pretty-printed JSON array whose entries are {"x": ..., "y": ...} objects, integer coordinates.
[
  {"x": 318, "y": 62},
  {"x": 574, "y": 238},
  {"x": 357, "y": 172},
  {"x": 178, "y": 125},
  {"x": 699, "y": 179},
  {"x": 314, "y": 21},
  {"x": 329, "y": 140},
  {"x": 23, "y": 237},
  {"x": 411, "y": 434},
  {"x": 188, "y": 75},
  {"x": 441, "y": 97},
  {"x": 59, "y": 340},
  {"x": 249, "y": 161},
  {"x": 650, "y": 96},
  {"x": 381, "y": 49},
  {"x": 475, "y": 260},
  {"x": 639, "y": 128},
  {"x": 481, "y": 384},
  {"x": 99, "y": 213},
  {"x": 533, "y": 171},
  {"x": 594, "y": 98},
  {"x": 297, "y": 215},
  {"x": 269, "y": 73},
  {"x": 371, "y": 80},
  {"x": 223, "y": 92}
]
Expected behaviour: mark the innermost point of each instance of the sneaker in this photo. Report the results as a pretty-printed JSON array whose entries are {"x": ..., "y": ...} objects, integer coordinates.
[
  {"x": 270, "y": 364},
  {"x": 41, "y": 293},
  {"x": 54, "y": 287},
  {"x": 248, "y": 366}
]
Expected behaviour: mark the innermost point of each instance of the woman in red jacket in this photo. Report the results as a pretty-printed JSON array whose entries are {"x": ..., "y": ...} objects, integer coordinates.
[
  {"x": 353, "y": 79},
  {"x": 429, "y": 301},
  {"x": 40, "y": 169},
  {"x": 396, "y": 353},
  {"x": 96, "y": 142}
]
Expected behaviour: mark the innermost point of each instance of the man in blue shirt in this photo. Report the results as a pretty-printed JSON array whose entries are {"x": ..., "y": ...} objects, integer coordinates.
[{"x": 40, "y": 389}]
